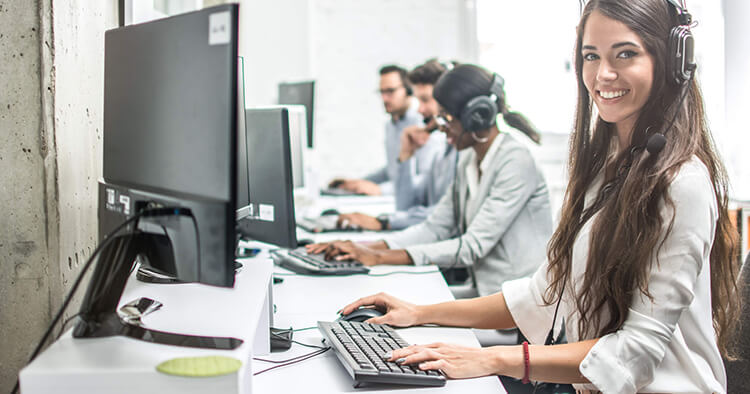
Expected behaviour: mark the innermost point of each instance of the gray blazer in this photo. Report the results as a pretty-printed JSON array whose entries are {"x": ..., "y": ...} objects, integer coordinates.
[{"x": 504, "y": 238}]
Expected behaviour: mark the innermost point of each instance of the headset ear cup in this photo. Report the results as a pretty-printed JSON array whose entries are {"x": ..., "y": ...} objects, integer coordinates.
[
  {"x": 680, "y": 64},
  {"x": 478, "y": 114}
]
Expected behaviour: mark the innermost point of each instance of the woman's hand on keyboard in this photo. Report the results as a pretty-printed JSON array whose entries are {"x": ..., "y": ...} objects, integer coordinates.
[
  {"x": 348, "y": 250},
  {"x": 397, "y": 312},
  {"x": 456, "y": 362}
]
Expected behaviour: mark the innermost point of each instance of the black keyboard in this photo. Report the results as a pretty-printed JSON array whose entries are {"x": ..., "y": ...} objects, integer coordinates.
[
  {"x": 335, "y": 191},
  {"x": 361, "y": 346},
  {"x": 298, "y": 260},
  {"x": 323, "y": 224}
]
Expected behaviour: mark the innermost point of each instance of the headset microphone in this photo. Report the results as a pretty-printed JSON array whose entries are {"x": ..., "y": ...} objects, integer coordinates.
[{"x": 656, "y": 143}]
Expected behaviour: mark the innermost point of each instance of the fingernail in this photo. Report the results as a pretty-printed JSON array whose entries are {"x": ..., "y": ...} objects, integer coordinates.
[
  {"x": 400, "y": 360},
  {"x": 422, "y": 366},
  {"x": 387, "y": 356}
]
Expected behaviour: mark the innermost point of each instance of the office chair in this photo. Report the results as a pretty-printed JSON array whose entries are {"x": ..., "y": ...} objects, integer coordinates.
[{"x": 738, "y": 371}]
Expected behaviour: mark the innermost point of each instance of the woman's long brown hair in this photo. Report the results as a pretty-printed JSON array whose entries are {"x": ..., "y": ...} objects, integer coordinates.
[{"x": 628, "y": 231}]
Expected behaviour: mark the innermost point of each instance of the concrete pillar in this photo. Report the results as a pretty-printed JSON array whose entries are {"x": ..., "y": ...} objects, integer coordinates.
[
  {"x": 28, "y": 224},
  {"x": 51, "y": 90}
]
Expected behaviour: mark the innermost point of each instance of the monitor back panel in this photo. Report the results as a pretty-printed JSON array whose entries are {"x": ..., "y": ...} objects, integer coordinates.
[
  {"x": 300, "y": 93},
  {"x": 270, "y": 175}
]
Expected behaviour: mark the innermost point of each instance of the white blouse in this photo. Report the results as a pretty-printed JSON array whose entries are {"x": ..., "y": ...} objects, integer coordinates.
[{"x": 666, "y": 345}]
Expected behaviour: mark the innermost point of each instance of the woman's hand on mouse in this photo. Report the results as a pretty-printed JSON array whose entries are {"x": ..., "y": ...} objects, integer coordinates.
[{"x": 398, "y": 313}]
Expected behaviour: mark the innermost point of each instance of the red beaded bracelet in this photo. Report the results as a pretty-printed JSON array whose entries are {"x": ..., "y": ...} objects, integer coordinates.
[{"x": 525, "y": 379}]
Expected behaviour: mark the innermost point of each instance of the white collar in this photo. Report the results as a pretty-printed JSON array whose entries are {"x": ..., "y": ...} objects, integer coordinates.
[{"x": 472, "y": 170}]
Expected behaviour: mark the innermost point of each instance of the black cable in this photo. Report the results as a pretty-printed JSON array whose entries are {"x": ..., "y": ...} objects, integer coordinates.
[
  {"x": 309, "y": 345},
  {"x": 305, "y": 329},
  {"x": 355, "y": 274},
  {"x": 150, "y": 213},
  {"x": 290, "y": 362},
  {"x": 65, "y": 323},
  {"x": 283, "y": 338},
  {"x": 107, "y": 239}
]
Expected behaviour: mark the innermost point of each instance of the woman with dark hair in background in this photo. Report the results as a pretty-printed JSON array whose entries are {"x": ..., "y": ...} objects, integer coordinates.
[
  {"x": 495, "y": 218},
  {"x": 642, "y": 268}
]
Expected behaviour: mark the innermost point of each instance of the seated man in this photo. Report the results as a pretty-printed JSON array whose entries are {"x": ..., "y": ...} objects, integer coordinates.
[
  {"x": 416, "y": 195},
  {"x": 396, "y": 93}
]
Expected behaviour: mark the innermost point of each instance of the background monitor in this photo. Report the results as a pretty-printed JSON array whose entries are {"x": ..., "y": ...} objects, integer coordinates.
[
  {"x": 243, "y": 186},
  {"x": 300, "y": 93},
  {"x": 270, "y": 174},
  {"x": 170, "y": 136}
]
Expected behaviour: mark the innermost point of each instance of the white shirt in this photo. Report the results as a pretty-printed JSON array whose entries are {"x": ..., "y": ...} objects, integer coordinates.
[
  {"x": 665, "y": 345},
  {"x": 473, "y": 170}
]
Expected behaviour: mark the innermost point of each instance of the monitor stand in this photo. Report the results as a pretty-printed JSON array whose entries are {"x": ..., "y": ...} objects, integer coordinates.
[{"x": 99, "y": 316}]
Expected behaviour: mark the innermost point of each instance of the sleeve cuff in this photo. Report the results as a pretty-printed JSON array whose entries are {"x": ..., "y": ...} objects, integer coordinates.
[
  {"x": 398, "y": 220},
  {"x": 417, "y": 256},
  {"x": 530, "y": 318},
  {"x": 599, "y": 363}
]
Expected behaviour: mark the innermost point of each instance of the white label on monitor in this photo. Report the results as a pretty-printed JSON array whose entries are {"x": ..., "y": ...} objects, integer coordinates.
[
  {"x": 125, "y": 201},
  {"x": 219, "y": 26},
  {"x": 265, "y": 212},
  {"x": 110, "y": 196}
]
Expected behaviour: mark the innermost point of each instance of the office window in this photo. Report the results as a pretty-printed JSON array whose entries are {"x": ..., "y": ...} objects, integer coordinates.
[
  {"x": 530, "y": 44},
  {"x": 138, "y": 11}
]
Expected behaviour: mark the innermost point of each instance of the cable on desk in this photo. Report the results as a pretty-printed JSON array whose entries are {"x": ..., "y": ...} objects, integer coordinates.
[
  {"x": 176, "y": 211},
  {"x": 367, "y": 274},
  {"x": 273, "y": 334},
  {"x": 304, "y": 329},
  {"x": 291, "y": 360}
]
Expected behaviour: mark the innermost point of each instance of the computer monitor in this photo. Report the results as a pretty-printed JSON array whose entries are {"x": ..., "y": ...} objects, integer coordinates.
[
  {"x": 243, "y": 185},
  {"x": 170, "y": 140},
  {"x": 300, "y": 93},
  {"x": 270, "y": 173}
]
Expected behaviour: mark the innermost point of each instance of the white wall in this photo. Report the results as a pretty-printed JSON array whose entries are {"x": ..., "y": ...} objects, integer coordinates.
[
  {"x": 342, "y": 44},
  {"x": 737, "y": 74}
]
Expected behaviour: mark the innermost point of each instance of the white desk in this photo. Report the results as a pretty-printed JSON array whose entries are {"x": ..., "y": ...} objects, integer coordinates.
[
  {"x": 370, "y": 205},
  {"x": 124, "y": 365},
  {"x": 302, "y": 300}
]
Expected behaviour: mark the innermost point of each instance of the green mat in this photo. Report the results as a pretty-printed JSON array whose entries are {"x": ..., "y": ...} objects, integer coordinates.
[{"x": 200, "y": 366}]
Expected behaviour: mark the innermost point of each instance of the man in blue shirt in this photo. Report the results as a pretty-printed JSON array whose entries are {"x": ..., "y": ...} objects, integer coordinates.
[
  {"x": 417, "y": 191},
  {"x": 396, "y": 93}
]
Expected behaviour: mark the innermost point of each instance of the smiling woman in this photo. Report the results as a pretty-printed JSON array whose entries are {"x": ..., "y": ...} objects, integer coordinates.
[{"x": 643, "y": 263}]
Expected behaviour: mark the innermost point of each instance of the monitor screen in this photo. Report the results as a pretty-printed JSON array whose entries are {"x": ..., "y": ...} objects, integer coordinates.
[
  {"x": 270, "y": 173},
  {"x": 300, "y": 93},
  {"x": 170, "y": 136}
]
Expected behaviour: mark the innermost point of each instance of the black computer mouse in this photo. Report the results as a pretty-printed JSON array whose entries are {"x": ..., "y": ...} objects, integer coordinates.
[
  {"x": 330, "y": 211},
  {"x": 304, "y": 241},
  {"x": 362, "y": 314}
]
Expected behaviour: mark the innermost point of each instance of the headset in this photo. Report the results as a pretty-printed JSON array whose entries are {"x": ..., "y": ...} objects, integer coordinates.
[
  {"x": 405, "y": 81},
  {"x": 480, "y": 112},
  {"x": 680, "y": 56}
]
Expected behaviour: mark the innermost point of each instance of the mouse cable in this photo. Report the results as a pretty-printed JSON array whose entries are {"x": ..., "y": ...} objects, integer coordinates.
[
  {"x": 107, "y": 239},
  {"x": 296, "y": 360}
]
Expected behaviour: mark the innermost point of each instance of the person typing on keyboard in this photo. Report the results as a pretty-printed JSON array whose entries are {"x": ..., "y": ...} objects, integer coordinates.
[{"x": 496, "y": 213}]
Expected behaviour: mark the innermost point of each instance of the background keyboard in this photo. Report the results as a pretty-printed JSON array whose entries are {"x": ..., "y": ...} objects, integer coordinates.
[
  {"x": 360, "y": 348},
  {"x": 298, "y": 260}
]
